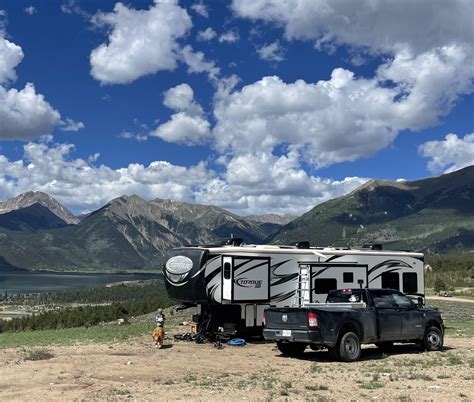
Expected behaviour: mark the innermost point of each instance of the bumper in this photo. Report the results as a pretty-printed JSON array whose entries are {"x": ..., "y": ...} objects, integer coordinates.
[{"x": 296, "y": 336}]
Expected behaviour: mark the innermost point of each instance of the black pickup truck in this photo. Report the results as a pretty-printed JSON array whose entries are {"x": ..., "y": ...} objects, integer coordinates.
[{"x": 351, "y": 317}]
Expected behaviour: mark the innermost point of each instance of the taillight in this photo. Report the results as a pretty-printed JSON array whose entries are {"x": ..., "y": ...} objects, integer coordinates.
[{"x": 312, "y": 320}]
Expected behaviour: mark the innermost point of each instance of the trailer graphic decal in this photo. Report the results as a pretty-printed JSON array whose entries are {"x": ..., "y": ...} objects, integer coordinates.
[
  {"x": 249, "y": 283},
  {"x": 389, "y": 264}
]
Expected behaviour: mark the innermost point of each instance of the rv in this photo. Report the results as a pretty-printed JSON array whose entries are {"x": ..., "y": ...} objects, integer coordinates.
[{"x": 233, "y": 284}]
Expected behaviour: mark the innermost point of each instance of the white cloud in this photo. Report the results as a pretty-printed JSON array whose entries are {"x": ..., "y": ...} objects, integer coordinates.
[
  {"x": 271, "y": 52},
  {"x": 84, "y": 187},
  {"x": 381, "y": 26},
  {"x": 231, "y": 36},
  {"x": 30, "y": 10},
  {"x": 10, "y": 56},
  {"x": 344, "y": 118},
  {"x": 188, "y": 125},
  {"x": 127, "y": 135},
  {"x": 140, "y": 42},
  {"x": 71, "y": 125},
  {"x": 197, "y": 62},
  {"x": 281, "y": 185},
  {"x": 206, "y": 35},
  {"x": 451, "y": 154},
  {"x": 25, "y": 114},
  {"x": 201, "y": 9}
]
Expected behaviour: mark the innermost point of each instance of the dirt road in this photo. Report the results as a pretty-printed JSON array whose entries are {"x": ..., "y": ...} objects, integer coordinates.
[{"x": 184, "y": 371}]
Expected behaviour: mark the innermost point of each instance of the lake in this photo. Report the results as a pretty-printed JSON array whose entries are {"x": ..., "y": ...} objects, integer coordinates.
[{"x": 44, "y": 281}]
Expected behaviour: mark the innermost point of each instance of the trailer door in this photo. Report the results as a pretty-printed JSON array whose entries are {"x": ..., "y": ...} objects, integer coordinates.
[{"x": 227, "y": 278}]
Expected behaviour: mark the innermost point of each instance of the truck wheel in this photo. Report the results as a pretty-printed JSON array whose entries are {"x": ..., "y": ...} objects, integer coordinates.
[
  {"x": 433, "y": 339},
  {"x": 291, "y": 348},
  {"x": 348, "y": 347},
  {"x": 386, "y": 346}
]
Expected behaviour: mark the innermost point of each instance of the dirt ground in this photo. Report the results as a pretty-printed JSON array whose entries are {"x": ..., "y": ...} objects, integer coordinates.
[{"x": 187, "y": 371}]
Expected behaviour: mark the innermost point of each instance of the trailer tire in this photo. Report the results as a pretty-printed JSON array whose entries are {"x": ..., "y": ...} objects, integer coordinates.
[
  {"x": 291, "y": 348},
  {"x": 348, "y": 347},
  {"x": 433, "y": 339}
]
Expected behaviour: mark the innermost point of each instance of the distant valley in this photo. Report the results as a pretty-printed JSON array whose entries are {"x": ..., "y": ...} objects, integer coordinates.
[{"x": 435, "y": 215}]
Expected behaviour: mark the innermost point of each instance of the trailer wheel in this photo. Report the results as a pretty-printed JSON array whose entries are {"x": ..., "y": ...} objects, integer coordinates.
[
  {"x": 348, "y": 348},
  {"x": 291, "y": 348},
  {"x": 433, "y": 339}
]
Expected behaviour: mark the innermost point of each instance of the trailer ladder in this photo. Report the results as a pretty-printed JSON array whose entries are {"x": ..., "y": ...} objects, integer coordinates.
[{"x": 302, "y": 294}]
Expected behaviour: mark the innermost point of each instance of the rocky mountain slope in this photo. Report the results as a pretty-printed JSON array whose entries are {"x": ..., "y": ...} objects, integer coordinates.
[
  {"x": 127, "y": 233},
  {"x": 435, "y": 215},
  {"x": 37, "y": 197}
]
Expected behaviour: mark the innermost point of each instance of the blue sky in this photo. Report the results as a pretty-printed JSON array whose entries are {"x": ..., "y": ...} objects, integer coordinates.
[{"x": 255, "y": 106}]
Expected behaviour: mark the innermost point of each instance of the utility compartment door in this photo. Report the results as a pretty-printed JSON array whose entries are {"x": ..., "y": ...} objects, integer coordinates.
[{"x": 251, "y": 279}]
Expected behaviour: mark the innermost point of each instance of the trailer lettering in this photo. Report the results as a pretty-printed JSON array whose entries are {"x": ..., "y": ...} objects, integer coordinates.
[{"x": 249, "y": 283}]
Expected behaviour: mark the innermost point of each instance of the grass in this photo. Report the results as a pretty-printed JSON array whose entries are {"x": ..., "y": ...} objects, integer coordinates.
[
  {"x": 69, "y": 336},
  {"x": 316, "y": 387},
  {"x": 460, "y": 328}
]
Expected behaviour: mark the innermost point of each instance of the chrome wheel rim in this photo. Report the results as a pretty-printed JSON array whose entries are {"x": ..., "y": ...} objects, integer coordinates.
[{"x": 433, "y": 339}]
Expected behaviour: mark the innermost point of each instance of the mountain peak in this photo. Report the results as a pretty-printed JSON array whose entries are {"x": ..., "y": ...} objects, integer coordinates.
[{"x": 38, "y": 197}]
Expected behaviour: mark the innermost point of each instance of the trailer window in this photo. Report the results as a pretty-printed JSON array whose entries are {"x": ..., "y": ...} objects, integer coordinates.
[
  {"x": 391, "y": 280},
  {"x": 348, "y": 277},
  {"x": 410, "y": 282},
  {"x": 227, "y": 270},
  {"x": 324, "y": 286}
]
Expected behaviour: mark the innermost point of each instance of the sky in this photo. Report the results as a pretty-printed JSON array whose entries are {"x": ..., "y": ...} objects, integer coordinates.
[{"x": 256, "y": 106}]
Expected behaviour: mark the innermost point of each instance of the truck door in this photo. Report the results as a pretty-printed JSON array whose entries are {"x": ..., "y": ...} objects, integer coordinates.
[
  {"x": 412, "y": 318},
  {"x": 389, "y": 318}
]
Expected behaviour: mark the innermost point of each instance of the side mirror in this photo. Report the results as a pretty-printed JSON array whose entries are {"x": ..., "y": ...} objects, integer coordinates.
[{"x": 420, "y": 302}]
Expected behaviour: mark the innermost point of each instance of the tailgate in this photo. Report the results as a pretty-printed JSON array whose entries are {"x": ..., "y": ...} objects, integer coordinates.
[{"x": 286, "y": 318}]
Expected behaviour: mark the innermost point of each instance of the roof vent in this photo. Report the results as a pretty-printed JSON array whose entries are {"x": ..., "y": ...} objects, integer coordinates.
[{"x": 300, "y": 244}]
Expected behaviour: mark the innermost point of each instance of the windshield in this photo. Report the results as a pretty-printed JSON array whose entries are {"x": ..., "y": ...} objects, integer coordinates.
[{"x": 346, "y": 296}]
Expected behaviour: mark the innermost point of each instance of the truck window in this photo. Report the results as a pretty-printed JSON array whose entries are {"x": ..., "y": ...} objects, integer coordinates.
[
  {"x": 324, "y": 286},
  {"x": 382, "y": 299},
  {"x": 410, "y": 282},
  {"x": 401, "y": 300},
  {"x": 348, "y": 277},
  {"x": 391, "y": 280}
]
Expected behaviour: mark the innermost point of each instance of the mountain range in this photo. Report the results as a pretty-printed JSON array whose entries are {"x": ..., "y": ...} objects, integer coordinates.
[{"x": 435, "y": 215}]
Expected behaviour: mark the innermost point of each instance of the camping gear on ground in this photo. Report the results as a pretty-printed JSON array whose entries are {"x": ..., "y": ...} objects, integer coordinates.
[{"x": 237, "y": 342}]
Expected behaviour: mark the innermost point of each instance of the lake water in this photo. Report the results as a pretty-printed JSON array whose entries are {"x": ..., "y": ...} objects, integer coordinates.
[{"x": 34, "y": 282}]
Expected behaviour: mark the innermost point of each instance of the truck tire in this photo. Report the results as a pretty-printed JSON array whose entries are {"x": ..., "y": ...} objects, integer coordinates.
[
  {"x": 385, "y": 346},
  {"x": 348, "y": 348},
  {"x": 433, "y": 339},
  {"x": 291, "y": 348}
]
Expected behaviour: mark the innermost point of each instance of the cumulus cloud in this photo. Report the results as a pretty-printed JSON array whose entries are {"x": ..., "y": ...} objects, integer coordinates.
[
  {"x": 348, "y": 117},
  {"x": 201, "y": 9},
  {"x": 271, "y": 52},
  {"x": 10, "y": 56},
  {"x": 381, "y": 26},
  {"x": 71, "y": 125},
  {"x": 188, "y": 125},
  {"x": 140, "y": 42},
  {"x": 84, "y": 187},
  {"x": 25, "y": 114},
  {"x": 231, "y": 36},
  {"x": 197, "y": 62},
  {"x": 206, "y": 35},
  {"x": 450, "y": 154}
]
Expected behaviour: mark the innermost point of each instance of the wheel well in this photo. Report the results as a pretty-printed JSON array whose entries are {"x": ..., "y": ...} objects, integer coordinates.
[
  {"x": 433, "y": 324},
  {"x": 351, "y": 326}
]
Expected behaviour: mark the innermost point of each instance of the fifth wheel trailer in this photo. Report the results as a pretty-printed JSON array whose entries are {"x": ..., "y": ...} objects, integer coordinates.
[{"x": 233, "y": 284}]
